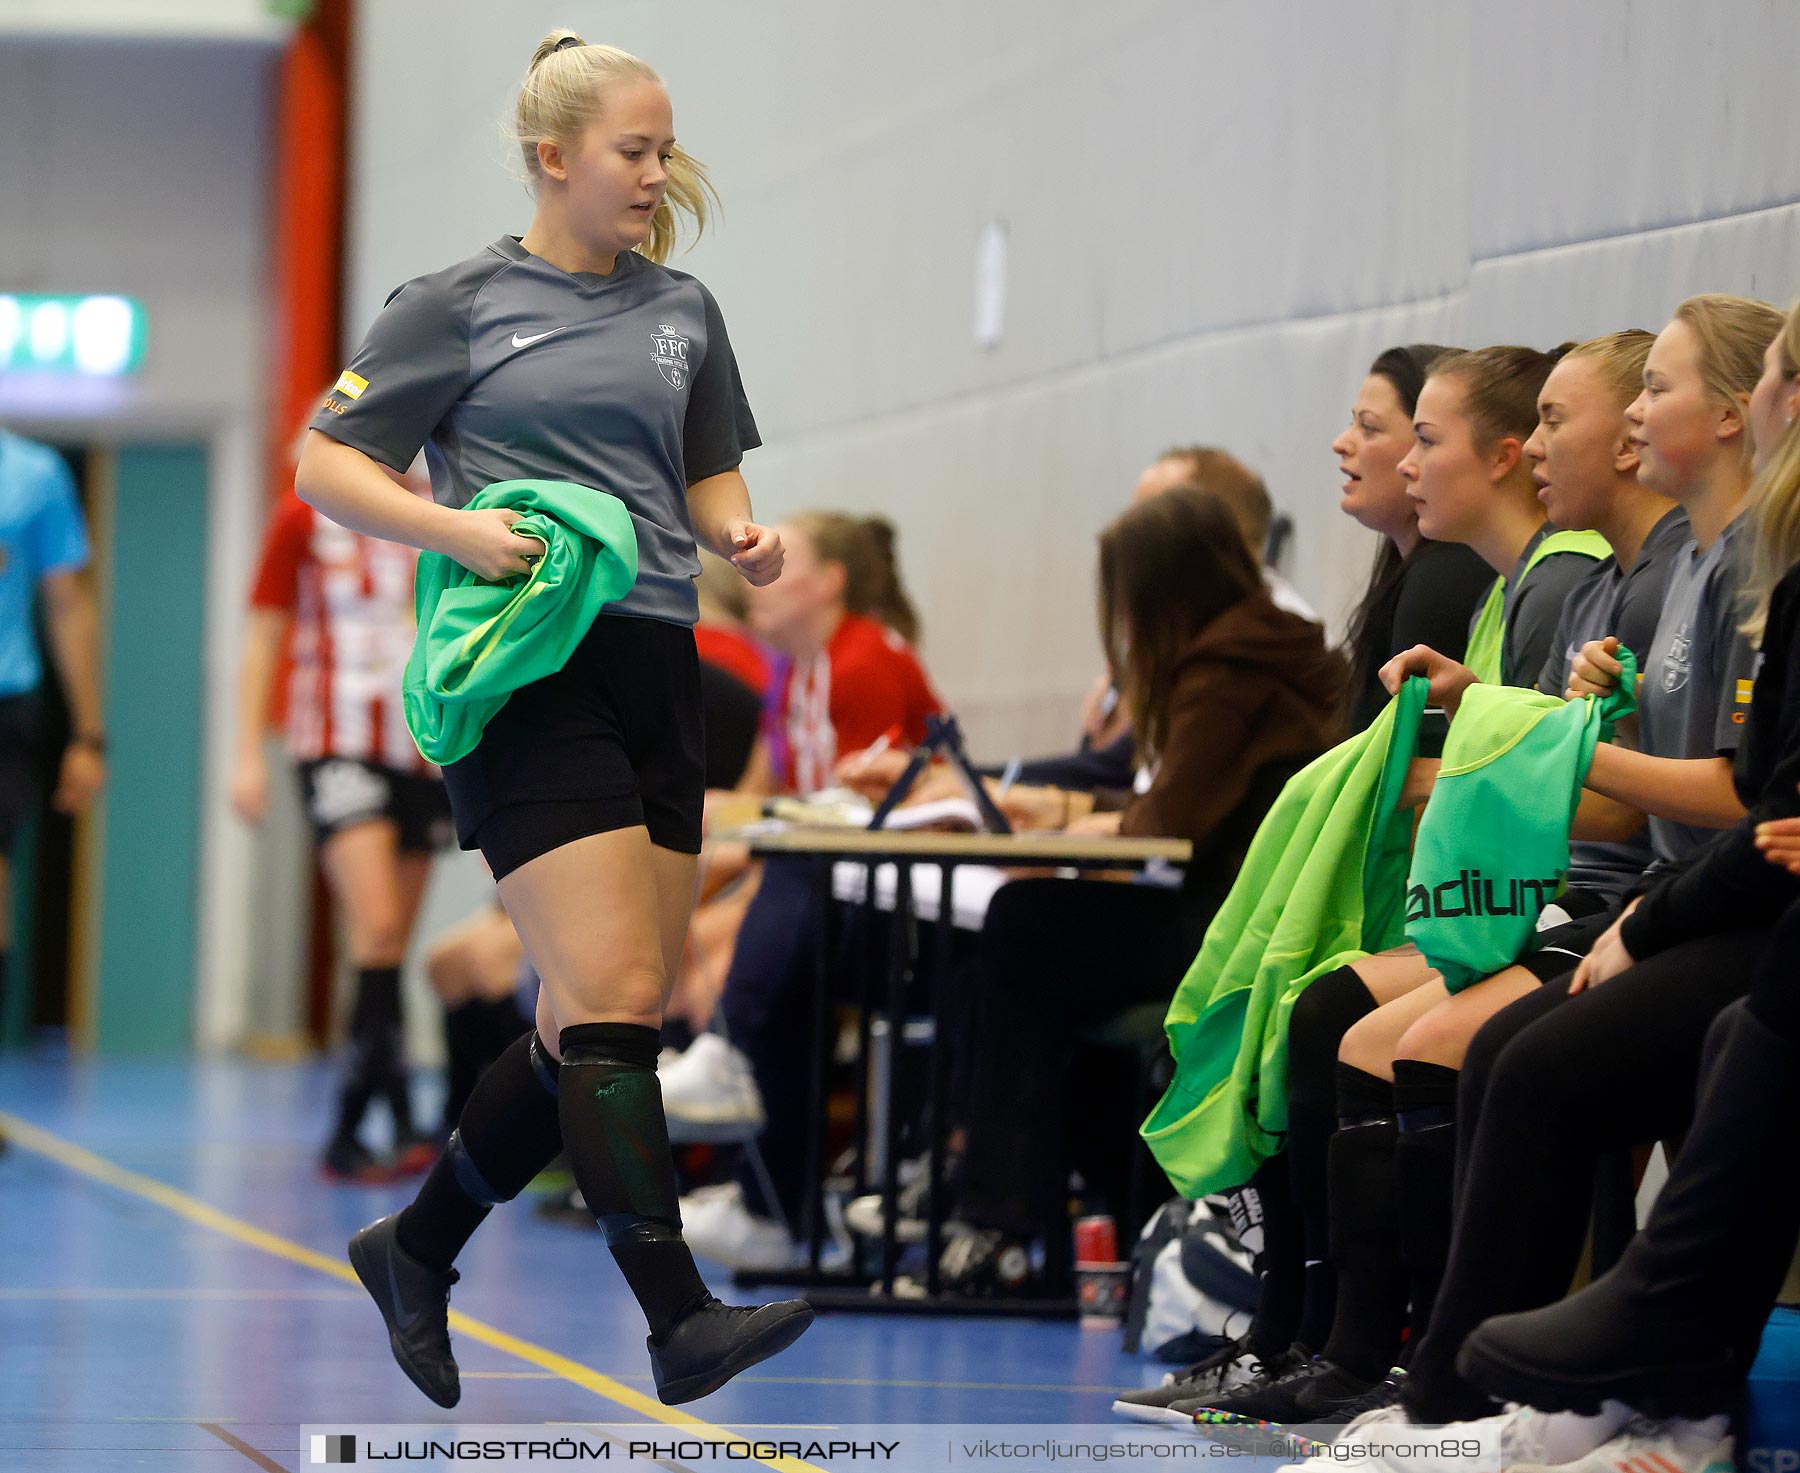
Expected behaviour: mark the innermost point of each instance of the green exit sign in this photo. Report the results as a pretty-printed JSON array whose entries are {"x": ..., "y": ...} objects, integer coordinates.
[{"x": 95, "y": 337}]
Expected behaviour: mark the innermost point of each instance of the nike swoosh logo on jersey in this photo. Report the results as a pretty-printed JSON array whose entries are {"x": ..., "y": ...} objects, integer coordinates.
[{"x": 537, "y": 337}]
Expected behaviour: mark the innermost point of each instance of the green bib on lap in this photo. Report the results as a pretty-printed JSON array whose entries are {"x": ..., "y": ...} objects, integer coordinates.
[
  {"x": 478, "y": 641},
  {"x": 1493, "y": 846}
]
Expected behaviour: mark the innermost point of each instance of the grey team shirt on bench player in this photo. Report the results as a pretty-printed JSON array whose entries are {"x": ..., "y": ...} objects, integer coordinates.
[
  {"x": 1609, "y": 601},
  {"x": 1694, "y": 696},
  {"x": 504, "y": 367}
]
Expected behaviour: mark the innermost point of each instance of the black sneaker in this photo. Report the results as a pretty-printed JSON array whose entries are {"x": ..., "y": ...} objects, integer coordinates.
[
  {"x": 1379, "y": 1406},
  {"x": 1383, "y": 1394},
  {"x": 414, "y": 1299},
  {"x": 1310, "y": 1391},
  {"x": 1227, "y": 1369},
  {"x": 712, "y": 1343}
]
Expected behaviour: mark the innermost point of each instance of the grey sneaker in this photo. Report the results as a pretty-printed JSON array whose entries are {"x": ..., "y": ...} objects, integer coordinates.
[{"x": 1225, "y": 1370}]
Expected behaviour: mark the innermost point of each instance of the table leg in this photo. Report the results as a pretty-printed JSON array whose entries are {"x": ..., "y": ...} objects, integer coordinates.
[
  {"x": 812, "y": 1211},
  {"x": 899, "y": 955},
  {"x": 937, "y": 1102}
]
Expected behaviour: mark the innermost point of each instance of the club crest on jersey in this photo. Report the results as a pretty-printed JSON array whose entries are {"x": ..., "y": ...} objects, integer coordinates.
[{"x": 670, "y": 354}]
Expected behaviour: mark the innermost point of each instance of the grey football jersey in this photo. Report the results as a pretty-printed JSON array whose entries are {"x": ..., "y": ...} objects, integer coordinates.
[
  {"x": 1609, "y": 601},
  {"x": 1695, "y": 690},
  {"x": 504, "y": 367}
]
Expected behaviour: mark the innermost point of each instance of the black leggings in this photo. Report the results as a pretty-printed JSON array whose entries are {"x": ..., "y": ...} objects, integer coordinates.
[{"x": 1550, "y": 1085}]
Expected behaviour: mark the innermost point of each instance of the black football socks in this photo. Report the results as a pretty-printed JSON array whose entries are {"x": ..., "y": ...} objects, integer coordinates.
[{"x": 509, "y": 1131}]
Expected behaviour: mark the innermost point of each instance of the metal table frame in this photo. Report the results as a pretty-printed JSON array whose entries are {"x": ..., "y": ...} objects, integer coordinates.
[{"x": 853, "y": 1288}]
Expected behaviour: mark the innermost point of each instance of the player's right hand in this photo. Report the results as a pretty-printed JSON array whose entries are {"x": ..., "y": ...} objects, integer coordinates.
[
  {"x": 488, "y": 548},
  {"x": 1595, "y": 671},
  {"x": 1448, "y": 678}
]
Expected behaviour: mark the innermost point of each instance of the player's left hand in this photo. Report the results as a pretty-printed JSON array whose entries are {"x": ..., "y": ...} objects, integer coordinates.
[
  {"x": 756, "y": 551},
  {"x": 82, "y": 776},
  {"x": 1608, "y": 958}
]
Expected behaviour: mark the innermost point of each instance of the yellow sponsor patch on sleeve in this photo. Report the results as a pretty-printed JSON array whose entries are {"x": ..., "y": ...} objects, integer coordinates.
[
  {"x": 1744, "y": 687},
  {"x": 350, "y": 385}
]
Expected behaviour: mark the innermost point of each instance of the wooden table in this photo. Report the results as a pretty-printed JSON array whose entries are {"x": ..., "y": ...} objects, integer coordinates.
[{"x": 852, "y": 1288}]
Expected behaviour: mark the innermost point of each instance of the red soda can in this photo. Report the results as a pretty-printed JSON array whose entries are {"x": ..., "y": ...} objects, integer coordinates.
[{"x": 1096, "y": 1240}]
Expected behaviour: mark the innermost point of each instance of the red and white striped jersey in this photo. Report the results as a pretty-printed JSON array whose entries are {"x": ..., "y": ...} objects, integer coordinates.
[{"x": 351, "y": 600}]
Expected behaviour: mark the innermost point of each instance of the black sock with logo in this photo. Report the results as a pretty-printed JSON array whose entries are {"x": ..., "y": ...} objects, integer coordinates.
[
  {"x": 1263, "y": 1213},
  {"x": 509, "y": 1131},
  {"x": 618, "y": 1144}
]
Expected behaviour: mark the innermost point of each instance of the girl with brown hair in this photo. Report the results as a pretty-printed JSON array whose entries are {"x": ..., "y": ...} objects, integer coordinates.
[{"x": 1229, "y": 696}]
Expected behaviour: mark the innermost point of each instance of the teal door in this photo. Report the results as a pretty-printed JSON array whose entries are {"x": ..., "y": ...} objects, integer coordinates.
[{"x": 142, "y": 998}]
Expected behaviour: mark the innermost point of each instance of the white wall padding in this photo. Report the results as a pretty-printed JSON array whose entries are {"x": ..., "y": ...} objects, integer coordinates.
[{"x": 1217, "y": 213}]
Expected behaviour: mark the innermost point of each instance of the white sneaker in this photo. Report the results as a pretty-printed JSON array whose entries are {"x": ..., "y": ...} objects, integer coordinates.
[
  {"x": 709, "y": 1094},
  {"x": 1385, "y": 1441},
  {"x": 1667, "y": 1447},
  {"x": 864, "y": 1216},
  {"x": 1371, "y": 1427},
  {"x": 721, "y": 1228}
]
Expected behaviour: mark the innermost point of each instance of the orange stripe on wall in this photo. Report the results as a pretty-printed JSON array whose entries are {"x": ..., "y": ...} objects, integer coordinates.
[{"x": 308, "y": 237}]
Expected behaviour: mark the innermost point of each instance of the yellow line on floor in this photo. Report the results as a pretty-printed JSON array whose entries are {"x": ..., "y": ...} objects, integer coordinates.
[
  {"x": 261, "y": 1459},
  {"x": 24, "y": 1134}
]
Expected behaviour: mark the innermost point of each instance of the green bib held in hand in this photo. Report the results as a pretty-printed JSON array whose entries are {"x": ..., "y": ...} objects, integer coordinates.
[
  {"x": 1493, "y": 846},
  {"x": 1322, "y": 886},
  {"x": 478, "y": 641}
]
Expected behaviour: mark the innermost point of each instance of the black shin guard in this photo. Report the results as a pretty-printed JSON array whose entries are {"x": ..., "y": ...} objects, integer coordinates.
[
  {"x": 618, "y": 1145},
  {"x": 509, "y": 1131},
  {"x": 1322, "y": 1015},
  {"x": 1365, "y": 1230},
  {"x": 1425, "y": 1179}
]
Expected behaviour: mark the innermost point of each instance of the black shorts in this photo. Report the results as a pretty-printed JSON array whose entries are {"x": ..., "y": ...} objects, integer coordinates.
[
  {"x": 1560, "y": 946},
  {"x": 613, "y": 740},
  {"x": 21, "y": 763},
  {"x": 341, "y": 792}
]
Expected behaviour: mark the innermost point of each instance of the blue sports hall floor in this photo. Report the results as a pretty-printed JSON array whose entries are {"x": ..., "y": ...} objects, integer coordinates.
[{"x": 173, "y": 1295}]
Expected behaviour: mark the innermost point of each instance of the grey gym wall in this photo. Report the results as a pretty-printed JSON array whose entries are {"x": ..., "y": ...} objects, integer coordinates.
[
  {"x": 139, "y": 166},
  {"x": 1217, "y": 212}
]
